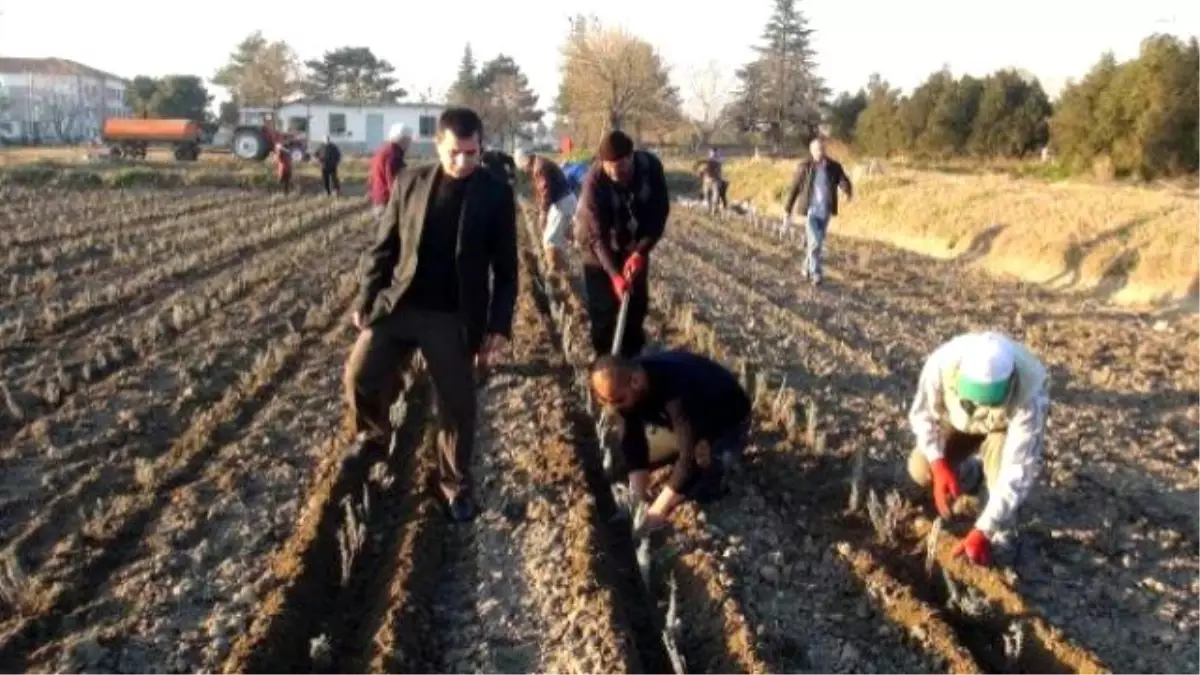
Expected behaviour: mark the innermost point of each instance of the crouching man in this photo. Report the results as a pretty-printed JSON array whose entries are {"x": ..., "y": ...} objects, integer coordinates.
[
  {"x": 675, "y": 408},
  {"x": 980, "y": 412},
  {"x": 555, "y": 203}
]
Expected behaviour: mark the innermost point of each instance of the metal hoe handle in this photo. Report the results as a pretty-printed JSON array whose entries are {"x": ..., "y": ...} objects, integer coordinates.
[{"x": 619, "y": 333}]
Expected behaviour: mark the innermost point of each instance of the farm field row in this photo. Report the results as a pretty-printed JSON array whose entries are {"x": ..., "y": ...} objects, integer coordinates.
[{"x": 177, "y": 495}]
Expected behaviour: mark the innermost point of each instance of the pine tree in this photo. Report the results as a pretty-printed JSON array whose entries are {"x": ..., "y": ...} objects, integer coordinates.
[
  {"x": 466, "y": 87},
  {"x": 781, "y": 94}
]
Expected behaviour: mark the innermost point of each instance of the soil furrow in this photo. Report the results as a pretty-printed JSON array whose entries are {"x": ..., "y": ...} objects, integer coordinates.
[
  {"x": 164, "y": 280},
  {"x": 75, "y": 431},
  {"x": 323, "y": 603},
  {"x": 113, "y": 537},
  {"x": 83, "y": 223},
  {"x": 103, "y": 246},
  {"x": 611, "y": 545},
  {"x": 80, "y": 366}
]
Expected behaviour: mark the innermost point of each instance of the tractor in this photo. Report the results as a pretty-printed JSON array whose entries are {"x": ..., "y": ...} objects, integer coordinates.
[{"x": 256, "y": 141}]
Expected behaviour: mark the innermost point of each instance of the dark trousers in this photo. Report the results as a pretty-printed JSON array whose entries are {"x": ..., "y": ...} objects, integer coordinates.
[
  {"x": 603, "y": 306},
  {"x": 285, "y": 182},
  {"x": 329, "y": 179},
  {"x": 373, "y": 383},
  {"x": 704, "y": 483}
]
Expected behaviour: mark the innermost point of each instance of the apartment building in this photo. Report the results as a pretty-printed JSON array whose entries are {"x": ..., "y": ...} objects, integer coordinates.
[{"x": 52, "y": 100}]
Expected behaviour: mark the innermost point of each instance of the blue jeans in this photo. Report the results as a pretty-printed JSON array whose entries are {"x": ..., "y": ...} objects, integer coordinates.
[{"x": 815, "y": 227}]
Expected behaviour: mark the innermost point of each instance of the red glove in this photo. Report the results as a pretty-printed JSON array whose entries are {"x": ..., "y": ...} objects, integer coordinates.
[
  {"x": 634, "y": 265},
  {"x": 976, "y": 546},
  {"x": 945, "y": 487},
  {"x": 620, "y": 285}
]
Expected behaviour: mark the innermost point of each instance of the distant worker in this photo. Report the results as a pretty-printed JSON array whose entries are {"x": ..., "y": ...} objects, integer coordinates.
[
  {"x": 501, "y": 165},
  {"x": 386, "y": 164},
  {"x": 330, "y": 156},
  {"x": 283, "y": 167},
  {"x": 622, "y": 214},
  {"x": 713, "y": 185},
  {"x": 701, "y": 416},
  {"x": 815, "y": 188},
  {"x": 555, "y": 202},
  {"x": 980, "y": 409},
  {"x": 441, "y": 276}
]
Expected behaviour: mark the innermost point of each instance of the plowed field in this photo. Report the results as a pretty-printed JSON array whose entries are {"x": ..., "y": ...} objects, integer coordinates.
[{"x": 175, "y": 494}]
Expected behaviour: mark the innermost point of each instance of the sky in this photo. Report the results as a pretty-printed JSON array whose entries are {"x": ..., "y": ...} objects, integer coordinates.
[{"x": 903, "y": 41}]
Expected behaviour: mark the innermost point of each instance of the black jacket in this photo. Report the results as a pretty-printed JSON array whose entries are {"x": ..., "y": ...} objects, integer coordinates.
[
  {"x": 613, "y": 221},
  {"x": 486, "y": 254},
  {"x": 802, "y": 185},
  {"x": 330, "y": 155}
]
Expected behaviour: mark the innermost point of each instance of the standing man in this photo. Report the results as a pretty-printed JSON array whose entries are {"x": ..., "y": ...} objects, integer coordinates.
[
  {"x": 330, "y": 156},
  {"x": 815, "y": 186},
  {"x": 713, "y": 186},
  {"x": 622, "y": 214},
  {"x": 441, "y": 277},
  {"x": 981, "y": 408},
  {"x": 386, "y": 164},
  {"x": 555, "y": 201},
  {"x": 701, "y": 413},
  {"x": 283, "y": 168}
]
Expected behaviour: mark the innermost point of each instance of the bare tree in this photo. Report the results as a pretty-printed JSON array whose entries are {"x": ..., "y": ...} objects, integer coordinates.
[
  {"x": 710, "y": 92},
  {"x": 612, "y": 79}
]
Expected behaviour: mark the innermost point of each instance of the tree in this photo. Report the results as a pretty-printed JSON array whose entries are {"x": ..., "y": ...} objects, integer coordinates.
[
  {"x": 140, "y": 93},
  {"x": 844, "y": 112},
  {"x": 948, "y": 124},
  {"x": 465, "y": 90},
  {"x": 506, "y": 103},
  {"x": 229, "y": 112},
  {"x": 708, "y": 100},
  {"x": 353, "y": 74},
  {"x": 1012, "y": 117},
  {"x": 879, "y": 129},
  {"x": 781, "y": 94},
  {"x": 181, "y": 96},
  {"x": 611, "y": 79},
  {"x": 260, "y": 72}
]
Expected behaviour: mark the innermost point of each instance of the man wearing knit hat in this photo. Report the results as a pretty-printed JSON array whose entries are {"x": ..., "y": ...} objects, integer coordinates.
[
  {"x": 980, "y": 408},
  {"x": 623, "y": 209}
]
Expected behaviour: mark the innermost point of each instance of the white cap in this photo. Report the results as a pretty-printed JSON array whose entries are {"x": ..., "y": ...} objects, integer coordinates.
[
  {"x": 986, "y": 365},
  {"x": 398, "y": 131}
]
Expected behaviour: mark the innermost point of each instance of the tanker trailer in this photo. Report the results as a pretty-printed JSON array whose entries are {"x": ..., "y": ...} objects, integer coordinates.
[{"x": 132, "y": 137}]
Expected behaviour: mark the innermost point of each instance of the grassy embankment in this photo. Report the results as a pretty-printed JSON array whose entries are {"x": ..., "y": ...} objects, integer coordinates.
[{"x": 1127, "y": 244}]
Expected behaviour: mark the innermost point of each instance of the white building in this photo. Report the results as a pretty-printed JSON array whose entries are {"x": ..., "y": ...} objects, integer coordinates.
[
  {"x": 355, "y": 128},
  {"x": 57, "y": 100}
]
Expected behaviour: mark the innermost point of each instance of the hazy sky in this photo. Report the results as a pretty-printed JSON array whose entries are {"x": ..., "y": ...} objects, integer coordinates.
[{"x": 904, "y": 41}]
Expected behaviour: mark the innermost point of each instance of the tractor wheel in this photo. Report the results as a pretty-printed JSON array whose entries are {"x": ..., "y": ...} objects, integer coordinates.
[{"x": 250, "y": 144}]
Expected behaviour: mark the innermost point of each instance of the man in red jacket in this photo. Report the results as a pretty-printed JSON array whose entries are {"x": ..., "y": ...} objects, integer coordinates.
[
  {"x": 283, "y": 168},
  {"x": 386, "y": 165}
]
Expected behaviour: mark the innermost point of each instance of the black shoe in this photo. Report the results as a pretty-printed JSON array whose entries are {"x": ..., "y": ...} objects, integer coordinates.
[{"x": 462, "y": 509}]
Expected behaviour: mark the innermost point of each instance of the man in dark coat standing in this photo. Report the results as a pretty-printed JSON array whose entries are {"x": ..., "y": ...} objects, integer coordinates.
[
  {"x": 441, "y": 277},
  {"x": 330, "y": 156},
  {"x": 622, "y": 213},
  {"x": 815, "y": 191}
]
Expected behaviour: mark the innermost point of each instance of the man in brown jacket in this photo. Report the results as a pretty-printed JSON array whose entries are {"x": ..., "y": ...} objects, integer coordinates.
[
  {"x": 441, "y": 277},
  {"x": 622, "y": 213},
  {"x": 555, "y": 202},
  {"x": 815, "y": 188},
  {"x": 712, "y": 184}
]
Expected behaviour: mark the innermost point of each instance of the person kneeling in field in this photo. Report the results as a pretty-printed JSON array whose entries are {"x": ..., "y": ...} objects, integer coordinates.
[
  {"x": 697, "y": 416},
  {"x": 555, "y": 201},
  {"x": 981, "y": 408}
]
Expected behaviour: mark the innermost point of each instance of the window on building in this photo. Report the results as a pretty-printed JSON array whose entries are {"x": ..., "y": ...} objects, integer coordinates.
[
  {"x": 427, "y": 125},
  {"x": 297, "y": 125},
  {"x": 337, "y": 124}
]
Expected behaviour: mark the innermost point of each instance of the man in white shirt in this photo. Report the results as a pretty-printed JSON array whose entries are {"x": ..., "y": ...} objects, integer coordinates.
[{"x": 981, "y": 406}]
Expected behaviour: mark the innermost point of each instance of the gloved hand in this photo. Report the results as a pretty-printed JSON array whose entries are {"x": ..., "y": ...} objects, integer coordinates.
[
  {"x": 634, "y": 266},
  {"x": 945, "y": 486},
  {"x": 620, "y": 285},
  {"x": 975, "y": 546}
]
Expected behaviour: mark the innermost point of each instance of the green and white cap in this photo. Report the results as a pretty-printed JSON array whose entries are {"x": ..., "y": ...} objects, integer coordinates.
[{"x": 985, "y": 369}]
